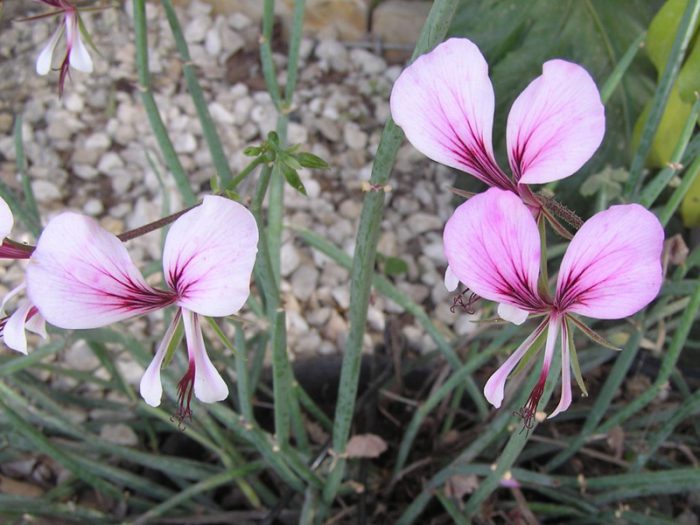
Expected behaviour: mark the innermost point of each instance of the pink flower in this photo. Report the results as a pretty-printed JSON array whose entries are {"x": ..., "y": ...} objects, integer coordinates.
[
  {"x": 81, "y": 276},
  {"x": 25, "y": 316},
  {"x": 444, "y": 102},
  {"x": 76, "y": 55},
  {"x": 611, "y": 269}
]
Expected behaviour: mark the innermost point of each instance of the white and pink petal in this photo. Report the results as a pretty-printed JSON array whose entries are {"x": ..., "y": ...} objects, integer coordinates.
[
  {"x": 209, "y": 256},
  {"x": 444, "y": 103},
  {"x": 151, "y": 387},
  {"x": 555, "y": 124},
  {"x": 612, "y": 267},
  {"x": 209, "y": 386},
  {"x": 492, "y": 245},
  {"x": 81, "y": 276}
]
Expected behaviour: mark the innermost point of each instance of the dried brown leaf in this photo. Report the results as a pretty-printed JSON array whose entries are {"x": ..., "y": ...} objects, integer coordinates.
[
  {"x": 365, "y": 446},
  {"x": 459, "y": 486}
]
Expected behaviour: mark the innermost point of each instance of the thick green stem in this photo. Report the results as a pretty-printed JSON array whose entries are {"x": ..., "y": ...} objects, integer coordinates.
[
  {"x": 149, "y": 103},
  {"x": 362, "y": 271}
]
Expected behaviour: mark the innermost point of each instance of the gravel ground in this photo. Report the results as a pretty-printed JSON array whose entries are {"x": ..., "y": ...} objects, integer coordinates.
[{"x": 90, "y": 152}]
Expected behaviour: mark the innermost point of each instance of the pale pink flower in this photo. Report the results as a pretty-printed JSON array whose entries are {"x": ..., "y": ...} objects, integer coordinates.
[
  {"x": 611, "y": 270},
  {"x": 81, "y": 276},
  {"x": 76, "y": 56},
  {"x": 444, "y": 102},
  {"x": 25, "y": 316}
]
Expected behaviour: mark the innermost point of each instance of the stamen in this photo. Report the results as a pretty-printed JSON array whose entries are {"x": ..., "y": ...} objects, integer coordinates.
[
  {"x": 185, "y": 388},
  {"x": 528, "y": 411},
  {"x": 466, "y": 306}
]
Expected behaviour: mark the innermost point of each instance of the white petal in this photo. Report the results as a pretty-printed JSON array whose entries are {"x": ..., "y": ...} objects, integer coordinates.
[
  {"x": 10, "y": 295},
  {"x": 43, "y": 61},
  {"x": 79, "y": 57},
  {"x": 512, "y": 314},
  {"x": 151, "y": 387},
  {"x": 209, "y": 386},
  {"x": 6, "y": 219},
  {"x": 565, "y": 400},
  {"x": 209, "y": 256},
  {"x": 451, "y": 280},
  {"x": 36, "y": 324},
  {"x": 13, "y": 334},
  {"x": 494, "y": 390}
]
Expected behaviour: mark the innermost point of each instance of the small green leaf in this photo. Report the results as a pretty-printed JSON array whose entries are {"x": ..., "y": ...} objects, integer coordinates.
[
  {"x": 292, "y": 177},
  {"x": 214, "y": 184},
  {"x": 273, "y": 138},
  {"x": 394, "y": 266},
  {"x": 252, "y": 151},
  {"x": 309, "y": 160},
  {"x": 290, "y": 161},
  {"x": 232, "y": 195},
  {"x": 609, "y": 179}
]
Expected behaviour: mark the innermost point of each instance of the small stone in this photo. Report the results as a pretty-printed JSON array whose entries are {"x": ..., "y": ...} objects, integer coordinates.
[
  {"x": 304, "y": 281},
  {"x": 185, "y": 143},
  {"x": 80, "y": 357},
  {"x": 341, "y": 294},
  {"x": 45, "y": 191},
  {"x": 328, "y": 128},
  {"x": 119, "y": 434},
  {"x": 74, "y": 102},
  {"x": 297, "y": 134},
  {"x": 354, "y": 137},
  {"x": 334, "y": 54},
  {"x": 93, "y": 207},
  {"x": 196, "y": 29},
  {"x": 109, "y": 162},
  {"x": 212, "y": 42},
  {"x": 220, "y": 114},
  {"x": 85, "y": 172},
  {"x": 369, "y": 64},
  {"x": 420, "y": 222},
  {"x": 289, "y": 259},
  {"x": 98, "y": 141},
  {"x": 239, "y": 21}
]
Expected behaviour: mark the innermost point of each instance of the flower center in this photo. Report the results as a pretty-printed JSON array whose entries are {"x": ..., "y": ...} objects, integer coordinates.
[
  {"x": 528, "y": 411},
  {"x": 466, "y": 301}
]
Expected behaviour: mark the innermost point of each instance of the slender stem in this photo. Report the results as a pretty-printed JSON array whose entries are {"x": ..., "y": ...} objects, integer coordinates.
[
  {"x": 684, "y": 34},
  {"x": 268, "y": 65},
  {"x": 677, "y": 196},
  {"x": 293, "y": 61},
  {"x": 433, "y": 31},
  {"x": 149, "y": 103},
  {"x": 211, "y": 136},
  {"x": 618, "y": 72},
  {"x": 244, "y": 398},
  {"x": 152, "y": 226},
  {"x": 21, "y": 162},
  {"x": 244, "y": 173}
]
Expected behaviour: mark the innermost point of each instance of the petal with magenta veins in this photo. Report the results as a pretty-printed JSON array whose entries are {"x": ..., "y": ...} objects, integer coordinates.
[
  {"x": 494, "y": 390},
  {"x": 444, "y": 103},
  {"x": 209, "y": 386},
  {"x": 555, "y": 125},
  {"x": 81, "y": 276},
  {"x": 150, "y": 387},
  {"x": 492, "y": 245},
  {"x": 209, "y": 256},
  {"x": 612, "y": 267}
]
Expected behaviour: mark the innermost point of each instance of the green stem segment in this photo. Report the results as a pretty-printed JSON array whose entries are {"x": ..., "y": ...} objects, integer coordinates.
[
  {"x": 211, "y": 136},
  {"x": 362, "y": 270},
  {"x": 149, "y": 103}
]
